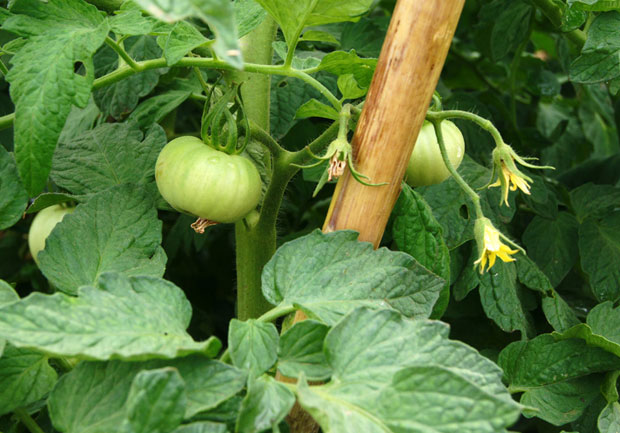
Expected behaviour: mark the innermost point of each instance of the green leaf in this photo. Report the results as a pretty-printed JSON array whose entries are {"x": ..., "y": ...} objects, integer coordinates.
[
  {"x": 183, "y": 38},
  {"x": 25, "y": 377},
  {"x": 79, "y": 121},
  {"x": 314, "y": 108},
  {"x": 48, "y": 199},
  {"x": 609, "y": 387},
  {"x": 416, "y": 232},
  {"x": 248, "y": 16},
  {"x": 502, "y": 26},
  {"x": 117, "y": 230},
  {"x": 319, "y": 36},
  {"x": 595, "y": 5},
  {"x": 563, "y": 402},
  {"x": 349, "y": 89},
  {"x": 155, "y": 108},
  {"x": 265, "y": 405},
  {"x": 368, "y": 347},
  {"x": 545, "y": 361},
  {"x": 393, "y": 374},
  {"x": 218, "y": 14},
  {"x": 156, "y": 402},
  {"x": 599, "y": 247},
  {"x": 93, "y": 396},
  {"x": 532, "y": 277},
  {"x": 120, "y": 98},
  {"x": 253, "y": 345},
  {"x": 609, "y": 420},
  {"x": 13, "y": 196},
  {"x": 301, "y": 350},
  {"x": 345, "y": 63},
  {"x": 328, "y": 275},
  {"x": 202, "y": 427},
  {"x": 131, "y": 23},
  {"x": 558, "y": 313},
  {"x": 600, "y": 56},
  {"x": 594, "y": 200},
  {"x": 8, "y": 295},
  {"x": 499, "y": 295},
  {"x": 294, "y": 15},
  {"x": 552, "y": 245},
  {"x": 44, "y": 86},
  {"x": 111, "y": 154},
  {"x": 125, "y": 318}
]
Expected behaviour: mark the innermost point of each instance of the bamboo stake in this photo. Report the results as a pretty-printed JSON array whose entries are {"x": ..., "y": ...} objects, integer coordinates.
[
  {"x": 413, "y": 54},
  {"x": 409, "y": 66}
]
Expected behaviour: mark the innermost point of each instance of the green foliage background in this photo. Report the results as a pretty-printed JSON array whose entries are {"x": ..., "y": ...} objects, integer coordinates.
[{"x": 120, "y": 327}]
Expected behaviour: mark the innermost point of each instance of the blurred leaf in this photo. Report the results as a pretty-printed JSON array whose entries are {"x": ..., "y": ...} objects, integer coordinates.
[
  {"x": 183, "y": 38},
  {"x": 599, "y": 247},
  {"x": 248, "y": 15},
  {"x": 13, "y": 196}
]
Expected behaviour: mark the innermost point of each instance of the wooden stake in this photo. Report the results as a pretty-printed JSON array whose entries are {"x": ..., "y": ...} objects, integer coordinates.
[
  {"x": 413, "y": 54},
  {"x": 410, "y": 63}
]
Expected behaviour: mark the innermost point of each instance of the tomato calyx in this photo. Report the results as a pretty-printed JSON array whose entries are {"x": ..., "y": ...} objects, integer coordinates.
[{"x": 201, "y": 224}]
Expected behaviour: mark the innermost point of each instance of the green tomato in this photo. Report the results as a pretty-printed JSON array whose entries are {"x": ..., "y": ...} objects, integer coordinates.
[
  {"x": 426, "y": 166},
  {"x": 42, "y": 225},
  {"x": 196, "y": 179}
]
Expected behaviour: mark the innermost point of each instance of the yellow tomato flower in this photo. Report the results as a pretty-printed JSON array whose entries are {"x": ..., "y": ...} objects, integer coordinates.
[
  {"x": 509, "y": 180},
  {"x": 509, "y": 177},
  {"x": 490, "y": 245}
]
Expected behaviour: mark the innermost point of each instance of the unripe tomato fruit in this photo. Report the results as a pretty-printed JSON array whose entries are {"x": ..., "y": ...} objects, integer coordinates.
[
  {"x": 426, "y": 166},
  {"x": 42, "y": 225},
  {"x": 196, "y": 179}
]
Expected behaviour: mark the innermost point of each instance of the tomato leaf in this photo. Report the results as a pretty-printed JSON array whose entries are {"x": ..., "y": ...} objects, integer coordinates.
[
  {"x": 599, "y": 246},
  {"x": 156, "y": 402},
  {"x": 301, "y": 350},
  {"x": 609, "y": 419},
  {"x": 109, "y": 155},
  {"x": 13, "y": 196},
  {"x": 117, "y": 230},
  {"x": 266, "y": 404},
  {"x": 328, "y": 275},
  {"x": 128, "y": 318},
  {"x": 61, "y": 35},
  {"x": 390, "y": 371},
  {"x": 76, "y": 407},
  {"x": 25, "y": 377},
  {"x": 248, "y": 16},
  {"x": 294, "y": 15},
  {"x": 120, "y": 98},
  {"x": 218, "y": 14},
  {"x": 253, "y": 345},
  {"x": 182, "y": 39},
  {"x": 417, "y": 232},
  {"x": 545, "y": 361}
]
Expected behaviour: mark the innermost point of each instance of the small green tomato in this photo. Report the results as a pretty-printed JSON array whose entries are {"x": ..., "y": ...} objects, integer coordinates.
[
  {"x": 42, "y": 225},
  {"x": 196, "y": 179},
  {"x": 426, "y": 166}
]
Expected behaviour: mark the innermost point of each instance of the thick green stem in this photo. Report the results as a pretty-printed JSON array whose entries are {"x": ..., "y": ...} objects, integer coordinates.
[
  {"x": 3, "y": 68},
  {"x": 7, "y": 121},
  {"x": 256, "y": 238}
]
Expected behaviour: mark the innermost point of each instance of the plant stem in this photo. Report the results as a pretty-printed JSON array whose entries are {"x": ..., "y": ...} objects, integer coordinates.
[
  {"x": 260, "y": 135},
  {"x": 475, "y": 198},
  {"x": 127, "y": 71},
  {"x": 123, "y": 54},
  {"x": 293, "y": 43},
  {"x": 25, "y": 418},
  {"x": 7, "y": 121},
  {"x": 485, "y": 124},
  {"x": 3, "y": 68},
  {"x": 255, "y": 245}
]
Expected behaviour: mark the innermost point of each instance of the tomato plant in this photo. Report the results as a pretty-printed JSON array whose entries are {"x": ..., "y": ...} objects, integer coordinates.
[
  {"x": 426, "y": 165},
  {"x": 131, "y": 321},
  {"x": 204, "y": 182}
]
